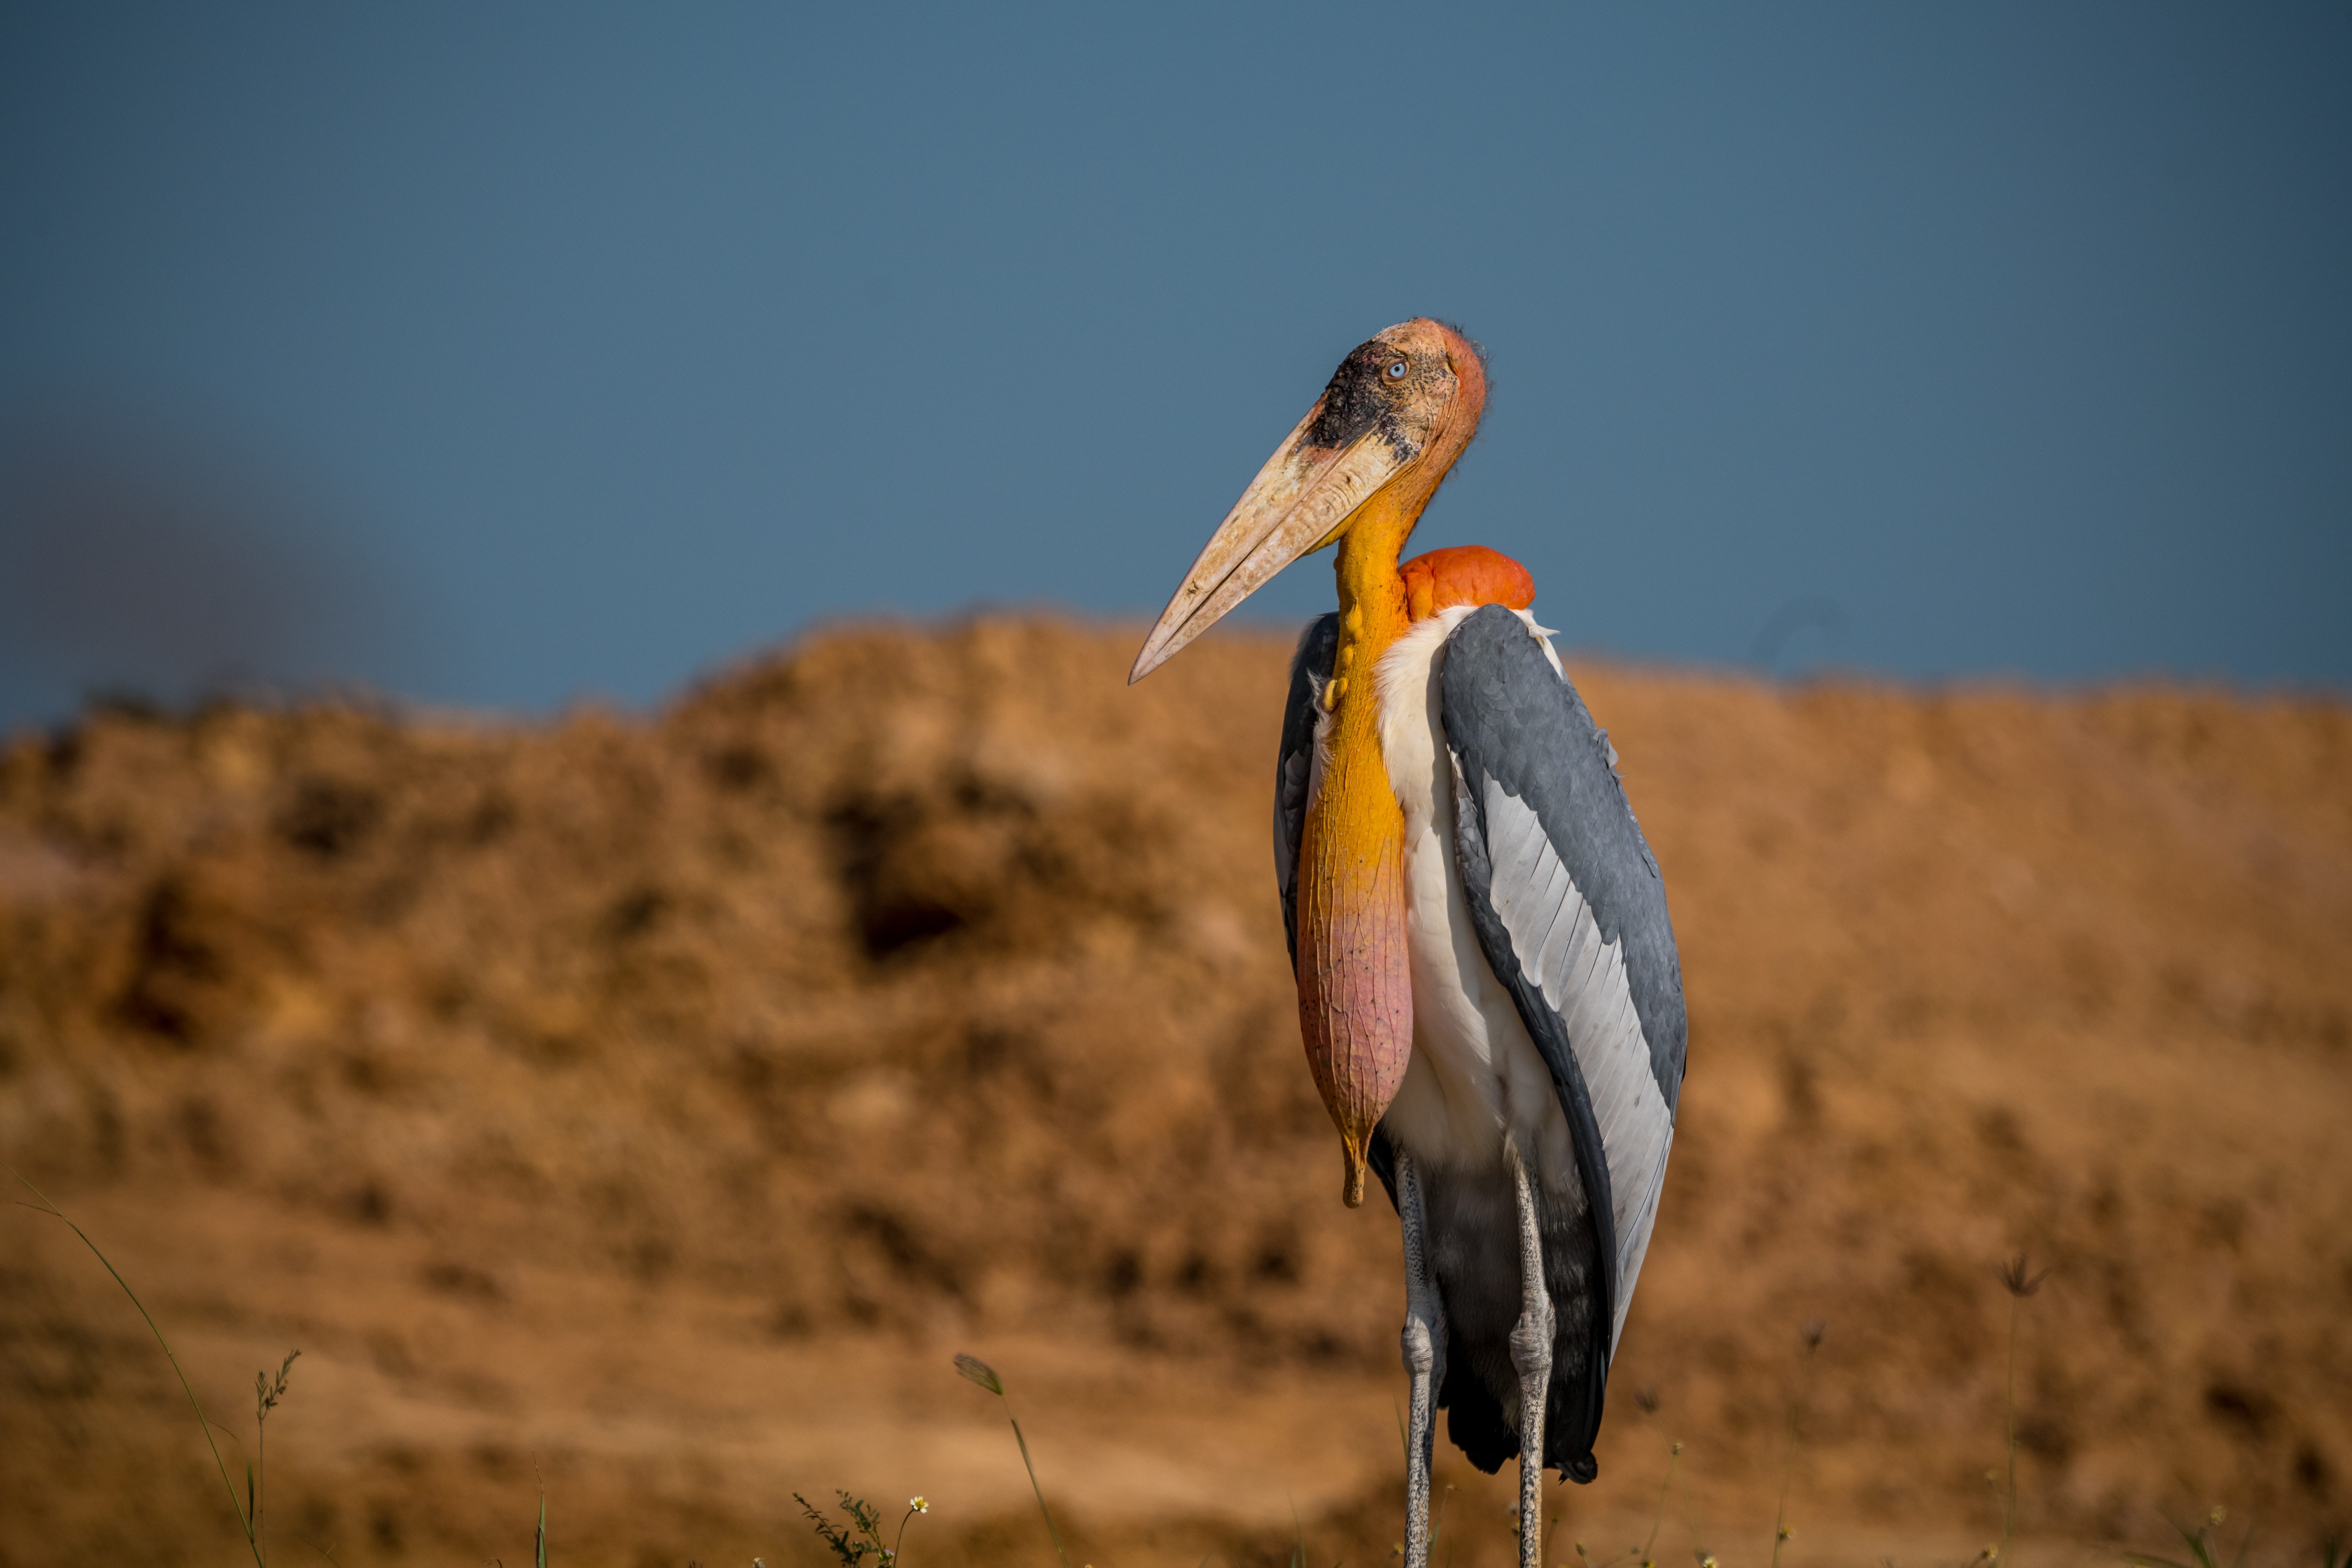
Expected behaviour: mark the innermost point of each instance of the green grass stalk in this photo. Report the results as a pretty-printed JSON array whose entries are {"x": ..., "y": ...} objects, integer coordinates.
[
  {"x": 2009, "y": 1496},
  {"x": 977, "y": 1371},
  {"x": 1811, "y": 1335},
  {"x": 268, "y": 1392},
  {"x": 2020, "y": 1281},
  {"x": 244, "y": 1517},
  {"x": 862, "y": 1536},
  {"x": 1666, "y": 1491},
  {"x": 2204, "y": 1545}
]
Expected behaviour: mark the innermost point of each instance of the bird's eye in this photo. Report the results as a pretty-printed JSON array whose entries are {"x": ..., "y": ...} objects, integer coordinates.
[{"x": 1396, "y": 370}]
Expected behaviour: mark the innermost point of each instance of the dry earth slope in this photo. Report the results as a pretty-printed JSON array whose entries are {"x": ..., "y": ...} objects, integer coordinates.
[{"x": 651, "y": 1106}]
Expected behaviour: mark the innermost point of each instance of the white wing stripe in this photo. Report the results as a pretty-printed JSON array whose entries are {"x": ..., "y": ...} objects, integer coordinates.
[
  {"x": 1566, "y": 922},
  {"x": 1507, "y": 847},
  {"x": 1583, "y": 958},
  {"x": 1558, "y": 946},
  {"x": 1543, "y": 906}
]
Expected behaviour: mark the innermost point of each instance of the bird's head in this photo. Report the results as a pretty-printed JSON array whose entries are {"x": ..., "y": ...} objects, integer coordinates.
[{"x": 1397, "y": 414}]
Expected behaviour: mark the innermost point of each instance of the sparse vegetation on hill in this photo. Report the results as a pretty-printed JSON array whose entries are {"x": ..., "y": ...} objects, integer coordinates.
[{"x": 654, "y": 1105}]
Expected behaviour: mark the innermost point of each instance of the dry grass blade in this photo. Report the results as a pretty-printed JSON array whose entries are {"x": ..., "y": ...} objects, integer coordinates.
[
  {"x": 980, "y": 1372},
  {"x": 2020, "y": 1280},
  {"x": 268, "y": 1394},
  {"x": 244, "y": 1517},
  {"x": 1810, "y": 1335}
]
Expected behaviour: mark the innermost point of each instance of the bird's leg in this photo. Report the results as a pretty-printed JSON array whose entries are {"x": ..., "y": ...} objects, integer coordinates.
[
  {"x": 1425, "y": 1358},
  {"x": 1531, "y": 1359}
]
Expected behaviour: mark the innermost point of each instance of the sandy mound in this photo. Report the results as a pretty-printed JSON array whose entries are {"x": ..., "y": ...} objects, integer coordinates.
[{"x": 655, "y": 1106}]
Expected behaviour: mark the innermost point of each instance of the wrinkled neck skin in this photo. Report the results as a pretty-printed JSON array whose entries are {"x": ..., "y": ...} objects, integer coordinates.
[{"x": 1355, "y": 992}]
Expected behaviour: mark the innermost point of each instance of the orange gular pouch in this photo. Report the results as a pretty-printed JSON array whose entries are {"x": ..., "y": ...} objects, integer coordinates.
[
  {"x": 1465, "y": 574},
  {"x": 1355, "y": 988}
]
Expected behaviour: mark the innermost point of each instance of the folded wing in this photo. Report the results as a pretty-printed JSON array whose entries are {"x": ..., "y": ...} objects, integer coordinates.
[{"x": 1571, "y": 913}]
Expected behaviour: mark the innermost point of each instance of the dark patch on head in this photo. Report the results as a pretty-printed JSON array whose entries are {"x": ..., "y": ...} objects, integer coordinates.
[{"x": 1361, "y": 399}]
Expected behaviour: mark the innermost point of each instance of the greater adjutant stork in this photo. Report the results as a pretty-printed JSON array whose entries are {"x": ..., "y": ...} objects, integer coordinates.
[{"x": 1487, "y": 982}]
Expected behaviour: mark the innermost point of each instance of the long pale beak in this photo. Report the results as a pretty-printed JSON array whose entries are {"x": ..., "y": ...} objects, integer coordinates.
[{"x": 1296, "y": 505}]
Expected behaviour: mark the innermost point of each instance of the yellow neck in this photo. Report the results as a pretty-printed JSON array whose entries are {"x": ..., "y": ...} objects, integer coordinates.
[
  {"x": 1355, "y": 996},
  {"x": 1371, "y": 605}
]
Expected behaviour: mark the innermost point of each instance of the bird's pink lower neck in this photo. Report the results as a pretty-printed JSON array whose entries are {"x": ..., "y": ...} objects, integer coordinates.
[{"x": 1355, "y": 987}]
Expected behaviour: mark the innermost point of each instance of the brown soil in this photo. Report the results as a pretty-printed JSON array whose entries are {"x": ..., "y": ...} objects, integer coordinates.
[{"x": 654, "y": 1106}]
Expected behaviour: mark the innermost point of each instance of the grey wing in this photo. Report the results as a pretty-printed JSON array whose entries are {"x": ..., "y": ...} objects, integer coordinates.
[
  {"x": 1571, "y": 910},
  {"x": 1294, "y": 770}
]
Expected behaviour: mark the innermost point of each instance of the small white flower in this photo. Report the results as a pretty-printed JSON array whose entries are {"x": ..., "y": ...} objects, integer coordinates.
[{"x": 921, "y": 1505}]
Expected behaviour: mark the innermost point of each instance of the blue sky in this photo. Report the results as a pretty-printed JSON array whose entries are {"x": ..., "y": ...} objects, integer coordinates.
[{"x": 501, "y": 356}]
